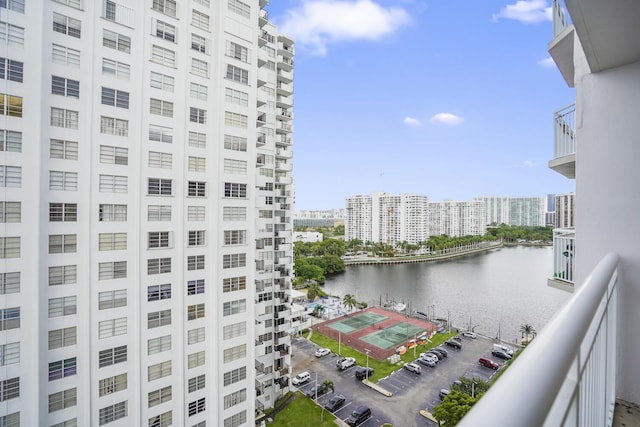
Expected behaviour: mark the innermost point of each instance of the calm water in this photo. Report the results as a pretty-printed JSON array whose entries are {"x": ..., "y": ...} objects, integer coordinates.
[{"x": 496, "y": 291}]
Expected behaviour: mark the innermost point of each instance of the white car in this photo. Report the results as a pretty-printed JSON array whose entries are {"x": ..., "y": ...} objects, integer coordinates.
[
  {"x": 301, "y": 378},
  {"x": 412, "y": 367},
  {"x": 322, "y": 352},
  {"x": 345, "y": 363},
  {"x": 469, "y": 334}
]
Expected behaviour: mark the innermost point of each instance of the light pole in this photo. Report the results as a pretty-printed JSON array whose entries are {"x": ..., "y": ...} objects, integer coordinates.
[
  {"x": 366, "y": 375},
  {"x": 339, "y": 342}
]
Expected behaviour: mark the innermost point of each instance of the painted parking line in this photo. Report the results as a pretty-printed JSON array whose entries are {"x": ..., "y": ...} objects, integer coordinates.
[{"x": 343, "y": 407}]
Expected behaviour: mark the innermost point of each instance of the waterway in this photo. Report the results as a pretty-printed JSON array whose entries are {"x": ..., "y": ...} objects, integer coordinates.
[{"x": 494, "y": 292}]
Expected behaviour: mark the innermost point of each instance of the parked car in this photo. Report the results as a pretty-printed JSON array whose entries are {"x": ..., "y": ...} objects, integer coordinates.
[
  {"x": 426, "y": 361},
  {"x": 345, "y": 363},
  {"x": 430, "y": 355},
  {"x": 501, "y": 354},
  {"x": 301, "y": 378},
  {"x": 488, "y": 363},
  {"x": 441, "y": 350},
  {"x": 444, "y": 393},
  {"x": 363, "y": 372},
  {"x": 434, "y": 354},
  {"x": 412, "y": 367},
  {"x": 454, "y": 344},
  {"x": 358, "y": 416},
  {"x": 335, "y": 403},
  {"x": 470, "y": 334},
  {"x": 503, "y": 348},
  {"x": 321, "y": 352},
  {"x": 319, "y": 388}
]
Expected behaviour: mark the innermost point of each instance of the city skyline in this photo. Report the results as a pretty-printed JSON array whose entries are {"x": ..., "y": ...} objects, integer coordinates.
[{"x": 468, "y": 113}]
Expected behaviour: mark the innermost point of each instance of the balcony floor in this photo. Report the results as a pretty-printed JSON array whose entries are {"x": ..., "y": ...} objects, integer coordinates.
[{"x": 626, "y": 414}]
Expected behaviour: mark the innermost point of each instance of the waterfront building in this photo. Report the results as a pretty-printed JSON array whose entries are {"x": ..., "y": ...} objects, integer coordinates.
[
  {"x": 326, "y": 218},
  {"x": 147, "y": 210},
  {"x": 565, "y": 210},
  {"x": 527, "y": 211},
  {"x": 455, "y": 218},
  {"x": 497, "y": 209},
  {"x": 307, "y": 236}
]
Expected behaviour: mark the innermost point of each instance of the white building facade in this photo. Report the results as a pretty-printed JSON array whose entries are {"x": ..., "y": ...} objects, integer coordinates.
[
  {"x": 565, "y": 210},
  {"x": 497, "y": 208},
  {"x": 147, "y": 203},
  {"x": 527, "y": 211},
  {"x": 455, "y": 218}
]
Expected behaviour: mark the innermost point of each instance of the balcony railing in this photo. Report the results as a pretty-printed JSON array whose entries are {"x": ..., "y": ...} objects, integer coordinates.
[
  {"x": 559, "y": 18},
  {"x": 564, "y": 131},
  {"x": 564, "y": 250},
  {"x": 566, "y": 375}
]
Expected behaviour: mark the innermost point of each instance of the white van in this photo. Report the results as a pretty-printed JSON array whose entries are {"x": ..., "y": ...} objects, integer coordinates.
[
  {"x": 301, "y": 378},
  {"x": 503, "y": 348}
]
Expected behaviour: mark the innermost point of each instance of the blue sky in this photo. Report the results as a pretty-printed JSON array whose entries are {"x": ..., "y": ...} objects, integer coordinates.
[{"x": 444, "y": 98}]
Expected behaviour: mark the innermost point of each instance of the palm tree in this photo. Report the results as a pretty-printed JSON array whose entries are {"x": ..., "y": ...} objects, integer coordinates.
[
  {"x": 349, "y": 301},
  {"x": 527, "y": 330},
  {"x": 313, "y": 291},
  {"x": 328, "y": 385},
  {"x": 318, "y": 310}
]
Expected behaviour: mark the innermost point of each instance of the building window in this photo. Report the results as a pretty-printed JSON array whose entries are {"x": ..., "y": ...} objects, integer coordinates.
[
  {"x": 63, "y": 212},
  {"x": 63, "y": 118},
  {"x": 159, "y": 187},
  {"x": 112, "y": 299},
  {"x": 197, "y": 164},
  {"x": 197, "y": 140},
  {"x": 11, "y": 34},
  {"x": 63, "y": 275},
  {"x": 235, "y": 398},
  {"x": 112, "y": 327},
  {"x": 112, "y": 413},
  {"x": 160, "y": 107},
  {"x": 195, "y": 287},
  {"x": 9, "y": 283},
  {"x": 242, "y": 9},
  {"x": 114, "y": 155},
  {"x": 65, "y": 87},
  {"x": 235, "y": 237},
  {"x": 165, "y": 31},
  {"x": 160, "y": 134},
  {"x": 112, "y": 270},
  {"x": 66, "y": 25},
  {"x": 158, "y": 345},
  {"x": 234, "y": 353},
  {"x": 158, "y": 239},
  {"x": 195, "y": 213},
  {"x": 197, "y": 383},
  {"x": 195, "y": 359},
  {"x": 62, "y": 399},
  {"x": 163, "y": 56},
  {"x": 9, "y": 247},
  {"x": 63, "y": 306},
  {"x": 235, "y": 190},
  {"x": 235, "y": 375},
  {"x": 197, "y": 189},
  {"x": 237, "y": 167},
  {"x": 200, "y": 20},
  {"x": 115, "y": 98},
  {"x": 62, "y": 368},
  {"x": 72, "y": 422},
  {"x": 232, "y": 284},
  {"x": 197, "y": 115},
  {"x": 162, "y": 81},
  {"x": 9, "y": 354},
  {"x": 116, "y": 69},
  {"x": 112, "y": 356},
  {"x": 64, "y": 55},
  {"x": 11, "y": 70},
  {"x": 16, "y": 6},
  {"x": 113, "y": 126},
  {"x": 112, "y": 213},
  {"x": 158, "y": 266},
  {"x": 159, "y": 292},
  {"x": 11, "y": 212},
  {"x": 195, "y": 311},
  {"x": 10, "y": 105},
  {"x": 167, "y": 7},
  {"x": 65, "y": 337},
  {"x": 199, "y": 43},
  {"x": 113, "y": 184},
  {"x": 236, "y": 97},
  {"x": 112, "y": 241},
  {"x": 234, "y": 213},
  {"x": 196, "y": 238},
  {"x": 198, "y": 91},
  {"x": 237, "y": 74},
  {"x": 159, "y": 213},
  {"x": 205, "y": 3},
  {"x": 59, "y": 149},
  {"x": 230, "y": 308},
  {"x": 236, "y": 420},
  {"x": 197, "y": 406},
  {"x": 199, "y": 68},
  {"x": 234, "y": 260},
  {"x": 234, "y": 330},
  {"x": 112, "y": 384},
  {"x": 62, "y": 180},
  {"x": 159, "y": 396},
  {"x": 237, "y": 51},
  {"x": 9, "y": 318},
  {"x": 235, "y": 120},
  {"x": 195, "y": 336},
  {"x": 195, "y": 262},
  {"x": 10, "y": 141},
  {"x": 159, "y": 370},
  {"x": 116, "y": 41},
  {"x": 62, "y": 243}
]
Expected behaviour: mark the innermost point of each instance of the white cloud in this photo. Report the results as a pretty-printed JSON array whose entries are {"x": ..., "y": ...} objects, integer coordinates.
[
  {"x": 411, "y": 122},
  {"x": 446, "y": 119},
  {"x": 318, "y": 23},
  {"x": 547, "y": 63},
  {"x": 528, "y": 164},
  {"x": 526, "y": 11}
]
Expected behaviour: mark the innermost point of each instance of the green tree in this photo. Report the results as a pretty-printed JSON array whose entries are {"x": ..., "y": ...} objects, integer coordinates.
[
  {"x": 328, "y": 384},
  {"x": 349, "y": 301},
  {"x": 474, "y": 387},
  {"x": 305, "y": 271},
  {"x": 527, "y": 331},
  {"x": 318, "y": 311},
  {"x": 314, "y": 292},
  {"x": 454, "y": 407}
]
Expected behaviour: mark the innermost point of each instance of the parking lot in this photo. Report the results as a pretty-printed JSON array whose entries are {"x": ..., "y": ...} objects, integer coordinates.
[{"x": 411, "y": 392}]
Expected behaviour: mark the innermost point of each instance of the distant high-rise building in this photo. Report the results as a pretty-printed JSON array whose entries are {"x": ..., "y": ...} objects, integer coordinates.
[
  {"x": 527, "y": 211},
  {"x": 565, "y": 210},
  {"x": 147, "y": 203},
  {"x": 455, "y": 218},
  {"x": 497, "y": 209}
]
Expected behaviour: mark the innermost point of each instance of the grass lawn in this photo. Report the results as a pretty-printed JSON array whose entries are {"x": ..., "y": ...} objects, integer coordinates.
[
  {"x": 300, "y": 412},
  {"x": 384, "y": 368}
]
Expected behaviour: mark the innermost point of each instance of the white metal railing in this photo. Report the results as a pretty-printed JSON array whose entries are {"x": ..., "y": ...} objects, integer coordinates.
[
  {"x": 564, "y": 131},
  {"x": 559, "y": 18},
  {"x": 564, "y": 250},
  {"x": 566, "y": 375}
]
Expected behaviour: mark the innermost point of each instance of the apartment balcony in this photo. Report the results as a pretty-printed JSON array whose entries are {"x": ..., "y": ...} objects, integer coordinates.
[
  {"x": 282, "y": 127},
  {"x": 561, "y": 46},
  {"x": 285, "y": 49},
  {"x": 566, "y": 376},
  {"x": 285, "y": 76},
  {"x": 283, "y": 153},
  {"x": 283, "y": 166},
  {"x": 284, "y": 101},
  {"x": 564, "y": 145},
  {"x": 564, "y": 248},
  {"x": 283, "y": 139},
  {"x": 263, "y": 18},
  {"x": 284, "y": 114},
  {"x": 285, "y": 89},
  {"x": 285, "y": 63},
  {"x": 261, "y": 139}
]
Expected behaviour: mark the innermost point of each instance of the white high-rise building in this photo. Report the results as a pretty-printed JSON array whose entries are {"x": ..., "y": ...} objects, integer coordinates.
[
  {"x": 527, "y": 211},
  {"x": 147, "y": 203},
  {"x": 457, "y": 218},
  {"x": 497, "y": 208},
  {"x": 387, "y": 218},
  {"x": 565, "y": 210}
]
